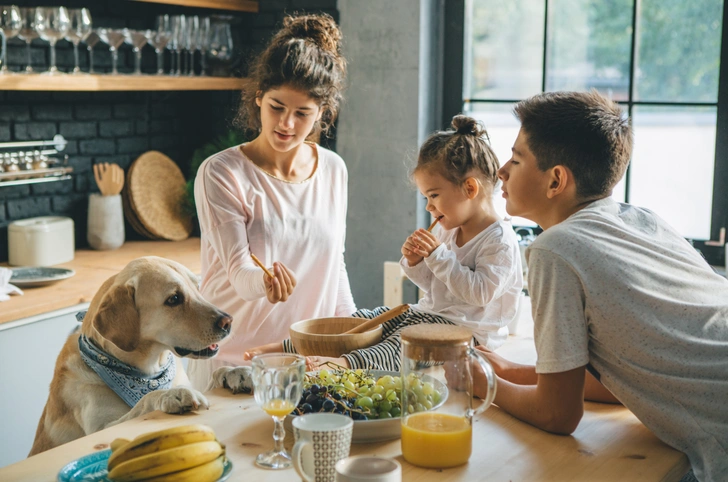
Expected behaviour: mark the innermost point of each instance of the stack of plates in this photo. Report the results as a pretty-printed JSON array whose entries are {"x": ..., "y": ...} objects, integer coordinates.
[{"x": 153, "y": 197}]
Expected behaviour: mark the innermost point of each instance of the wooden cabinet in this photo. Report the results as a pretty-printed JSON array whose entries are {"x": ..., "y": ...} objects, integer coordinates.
[
  {"x": 98, "y": 83},
  {"x": 236, "y": 5}
]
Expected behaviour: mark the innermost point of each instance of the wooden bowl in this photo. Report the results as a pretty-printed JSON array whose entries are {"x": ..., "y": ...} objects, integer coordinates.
[{"x": 322, "y": 336}]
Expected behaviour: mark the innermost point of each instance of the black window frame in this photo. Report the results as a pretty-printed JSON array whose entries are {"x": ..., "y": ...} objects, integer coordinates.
[{"x": 454, "y": 102}]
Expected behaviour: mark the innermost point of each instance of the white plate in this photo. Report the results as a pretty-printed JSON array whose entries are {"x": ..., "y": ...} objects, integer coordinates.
[
  {"x": 40, "y": 276},
  {"x": 379, "y": 430}
]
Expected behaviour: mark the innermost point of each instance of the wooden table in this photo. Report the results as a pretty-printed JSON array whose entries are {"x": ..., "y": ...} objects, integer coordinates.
[
  {"x": 92, "y": 269},
  {"x": 610, "y": 444}
]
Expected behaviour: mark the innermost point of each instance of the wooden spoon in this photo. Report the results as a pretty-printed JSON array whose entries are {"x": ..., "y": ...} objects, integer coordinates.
[
  {"x": 109, "y": 178},
  {"x": 378, "y": 320}
]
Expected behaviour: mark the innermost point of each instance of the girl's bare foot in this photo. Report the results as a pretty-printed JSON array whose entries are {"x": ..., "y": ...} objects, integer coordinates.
[
  {"x": 314, "y": 363},
  {"x": 259, "y": 350}
]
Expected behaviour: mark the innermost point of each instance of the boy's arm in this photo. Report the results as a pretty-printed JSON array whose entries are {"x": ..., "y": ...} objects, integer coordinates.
[
  {"x": 554, "y": 404},
  {"x": 520, "y": 374}
]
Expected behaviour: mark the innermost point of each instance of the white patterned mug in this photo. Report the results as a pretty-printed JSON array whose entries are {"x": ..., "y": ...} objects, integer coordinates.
[
  {"x": 368, "y": 468},
  {"x": 322, "y": 439}
]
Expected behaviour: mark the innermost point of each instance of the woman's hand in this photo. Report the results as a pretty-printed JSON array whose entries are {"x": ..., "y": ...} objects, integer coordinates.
[
  {"x": 425, "y": 243},
  {"x": 408, "y": 251},
  {"x": 281, "y": 286}
]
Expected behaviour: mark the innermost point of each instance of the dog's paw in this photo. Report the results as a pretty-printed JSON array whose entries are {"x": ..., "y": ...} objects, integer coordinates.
[
  {"x": 181, "y": 400},
  {"x": 237, "y": 379}
]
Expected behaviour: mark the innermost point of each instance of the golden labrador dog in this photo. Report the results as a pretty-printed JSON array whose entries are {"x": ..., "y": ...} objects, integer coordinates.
[{"x": 112, "y": 371}]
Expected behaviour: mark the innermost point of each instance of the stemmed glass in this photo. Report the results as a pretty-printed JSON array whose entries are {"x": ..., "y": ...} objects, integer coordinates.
[
  {"x": 159, "y": 40},
  {"x": 179, "y": 30},
  {"x": 204, "y": 42},
  {"x": 113, "y": 38},
  {"x": 137, "y": 39},
  {"x": 79, "y": 31},
  {"x": 10, "y": 24},
  {"x": 52, "y": 24},
  {"x": 278, "y": 385},
  {"x": 221, "y": 41},
  {"x": 28, "y": 33},
  {"x": 192, "y": 41},
  {"x": 91, "y": 41}
]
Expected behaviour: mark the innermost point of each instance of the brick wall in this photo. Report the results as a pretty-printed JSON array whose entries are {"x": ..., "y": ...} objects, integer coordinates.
[{"x": 119, "y": 126}]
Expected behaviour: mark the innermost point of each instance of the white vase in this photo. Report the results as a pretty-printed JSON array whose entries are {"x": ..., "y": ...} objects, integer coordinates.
[{"x": 105, "y": 222}]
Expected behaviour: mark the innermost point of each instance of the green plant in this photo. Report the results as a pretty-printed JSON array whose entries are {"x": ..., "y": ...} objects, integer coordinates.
[{"x": 220, "y": 143}]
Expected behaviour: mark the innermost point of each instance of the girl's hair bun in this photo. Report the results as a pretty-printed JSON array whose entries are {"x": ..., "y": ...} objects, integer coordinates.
[
  {"x": 468, "y": 126},
  {"x": 321, "y": 29}
]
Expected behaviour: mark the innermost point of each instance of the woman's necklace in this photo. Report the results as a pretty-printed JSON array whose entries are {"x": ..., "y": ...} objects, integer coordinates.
[{"x": 265, "y": 171}]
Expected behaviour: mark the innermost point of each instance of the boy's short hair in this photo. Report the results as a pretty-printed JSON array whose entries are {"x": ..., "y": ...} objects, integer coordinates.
[{"x": 584, "y": 131}]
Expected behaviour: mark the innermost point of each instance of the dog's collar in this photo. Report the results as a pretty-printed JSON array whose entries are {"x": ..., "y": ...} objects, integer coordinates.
[{"x": 125, "y": 380}]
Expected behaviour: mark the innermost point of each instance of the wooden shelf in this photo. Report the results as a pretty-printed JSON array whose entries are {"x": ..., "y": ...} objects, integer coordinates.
[
  {"x": 237, "y": 5},
  {"x": 98, "y": 83}
]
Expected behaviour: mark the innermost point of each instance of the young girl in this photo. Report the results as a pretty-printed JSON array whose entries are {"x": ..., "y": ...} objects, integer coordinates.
[
  {"x": 469, "y": 268},
  {"x": 277, "y": 197}
]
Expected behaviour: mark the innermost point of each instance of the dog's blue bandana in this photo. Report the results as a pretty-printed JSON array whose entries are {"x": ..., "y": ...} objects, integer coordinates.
[{"x": 128, "y": 382}]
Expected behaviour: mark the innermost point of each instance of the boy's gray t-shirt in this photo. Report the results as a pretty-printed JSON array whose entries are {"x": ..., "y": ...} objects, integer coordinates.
[{"x": 616, "y": 287}]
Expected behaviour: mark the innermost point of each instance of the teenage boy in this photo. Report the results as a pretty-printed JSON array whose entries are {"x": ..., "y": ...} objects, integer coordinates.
[{"x": 615, "y": 290}]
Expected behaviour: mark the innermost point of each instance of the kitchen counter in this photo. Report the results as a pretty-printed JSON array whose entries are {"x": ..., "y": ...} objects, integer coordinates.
[
  {"x": 92, "y": 269},
  {"x": 609, "y": 444}
]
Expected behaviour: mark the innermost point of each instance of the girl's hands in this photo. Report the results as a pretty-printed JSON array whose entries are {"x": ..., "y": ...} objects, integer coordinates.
[
  {"x": 281, "y": 286},
  {"x": 408, "y": 251},
  {"x": 419, "y": 245},
  {"x": 425, "y": 242}
]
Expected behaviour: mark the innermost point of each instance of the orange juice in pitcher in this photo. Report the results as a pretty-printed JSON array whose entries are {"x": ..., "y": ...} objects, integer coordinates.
[
  {"x": 440, "y": 435},
  {"x": 436, "y": 440}
]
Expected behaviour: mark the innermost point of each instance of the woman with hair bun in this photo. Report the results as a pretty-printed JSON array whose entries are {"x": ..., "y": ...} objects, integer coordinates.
[
  {"x": 279, "y": 197},
  {"x": 469, "y": 267}
]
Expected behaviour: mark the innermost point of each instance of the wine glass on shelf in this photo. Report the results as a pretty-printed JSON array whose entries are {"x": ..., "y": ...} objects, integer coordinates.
[
  {"x": 137, "y": 39},
  {"x": 278, "y": 384},
  {"x": 179, "y": 31},
  {"x": 221, "y": 41},
  {"x": 27, "y": 33},
  {"x": 191, "y": 41},
  {"x": 52, "y": 24},
  {"x": 159, "y": 40},
  {"x": 10, "y": 24},
  {"x": 91, "y": 41},
  {"x": 113, "y": 38},
  {"x": 80, "y": 29},
  {"x": 204, "y": 43}
]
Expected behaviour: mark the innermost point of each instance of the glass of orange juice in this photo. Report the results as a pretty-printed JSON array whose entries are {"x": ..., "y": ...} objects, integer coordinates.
[
  {"x": 278, "y": 384},
  {"x": 437, "y": 394}
]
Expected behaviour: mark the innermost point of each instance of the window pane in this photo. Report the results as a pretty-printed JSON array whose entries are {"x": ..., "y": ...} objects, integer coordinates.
[
  {"x": 678, "y": 53},
  {"x": 503, "y": 48},
  {"x": 589, "y": 44},
  {"x": 503, "y": 129},
  {"x": 672, "y": 165}
]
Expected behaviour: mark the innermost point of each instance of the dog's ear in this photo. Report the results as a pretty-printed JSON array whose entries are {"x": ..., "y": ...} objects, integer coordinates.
[{"x": 118, "y": 319}]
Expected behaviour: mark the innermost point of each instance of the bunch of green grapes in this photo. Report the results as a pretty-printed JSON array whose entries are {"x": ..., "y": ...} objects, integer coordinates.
[{"x": 356, "y": 393}]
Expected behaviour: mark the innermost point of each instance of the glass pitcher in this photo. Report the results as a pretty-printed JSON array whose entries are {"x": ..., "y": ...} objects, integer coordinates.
[{"x": 437, "y": 394}]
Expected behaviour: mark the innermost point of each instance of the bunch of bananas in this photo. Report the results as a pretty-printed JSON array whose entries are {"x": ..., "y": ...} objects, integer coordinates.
[{"x": 187, "y": 453}]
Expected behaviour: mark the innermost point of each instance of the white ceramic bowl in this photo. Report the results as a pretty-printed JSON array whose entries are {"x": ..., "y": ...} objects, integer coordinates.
[{"x": 378, "y": 430}]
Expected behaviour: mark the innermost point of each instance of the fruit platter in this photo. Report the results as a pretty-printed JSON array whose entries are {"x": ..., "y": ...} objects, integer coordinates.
[
  {"x": 372, "y": 398},
  {"x": 188, "y": 453}
]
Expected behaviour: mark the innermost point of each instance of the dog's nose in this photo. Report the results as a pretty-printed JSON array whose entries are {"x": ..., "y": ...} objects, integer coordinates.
[{"x": 224, "y": 322}]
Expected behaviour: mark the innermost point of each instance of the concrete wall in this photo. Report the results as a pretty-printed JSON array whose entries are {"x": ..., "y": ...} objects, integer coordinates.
[{"x": 390, "y": 105}]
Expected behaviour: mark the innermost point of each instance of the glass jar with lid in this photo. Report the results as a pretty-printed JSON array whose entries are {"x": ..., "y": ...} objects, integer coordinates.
[{"x": 437, "y": 394}]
